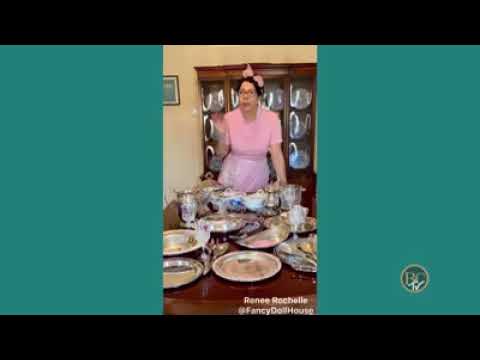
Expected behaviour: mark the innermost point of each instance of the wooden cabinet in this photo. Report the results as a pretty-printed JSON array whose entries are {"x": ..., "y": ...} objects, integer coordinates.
[{"x": 290, "y": 90}]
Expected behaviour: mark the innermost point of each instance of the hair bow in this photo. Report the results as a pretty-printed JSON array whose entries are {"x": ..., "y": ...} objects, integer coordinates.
[{"x": 248, "y": 72}]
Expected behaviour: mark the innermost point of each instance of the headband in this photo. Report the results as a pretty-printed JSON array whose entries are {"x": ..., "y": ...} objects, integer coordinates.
[{"x": 248, "y": 72}]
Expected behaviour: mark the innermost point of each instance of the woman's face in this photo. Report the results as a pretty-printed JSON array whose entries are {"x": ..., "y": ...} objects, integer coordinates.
[{"x": 248, "y": 97}]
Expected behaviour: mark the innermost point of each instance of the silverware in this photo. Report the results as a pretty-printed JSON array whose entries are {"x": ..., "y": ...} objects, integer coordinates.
[
  {"x": 308, "y": 254},
  {"x": 206, "y": 258},
  {"x": 211, "y": 253},
  {"x": 291, "y": 254},
  {"x": 178, "y": 268},
  {"x": 298, "y": 257},
  {"x": 219, "y": 250}
]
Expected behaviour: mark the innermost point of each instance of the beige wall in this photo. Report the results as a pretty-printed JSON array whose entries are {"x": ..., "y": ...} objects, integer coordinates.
[{"x": 182, "y": 125}]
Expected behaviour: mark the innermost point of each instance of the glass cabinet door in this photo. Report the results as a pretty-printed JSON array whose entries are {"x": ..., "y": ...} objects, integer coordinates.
[
  {"x": 274, "y": 97},
  {"x": 213, "y": 101}
]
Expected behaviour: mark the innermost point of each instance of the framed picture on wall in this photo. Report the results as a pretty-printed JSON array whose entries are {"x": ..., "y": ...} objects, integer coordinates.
[{"x": 171, "y": 90}]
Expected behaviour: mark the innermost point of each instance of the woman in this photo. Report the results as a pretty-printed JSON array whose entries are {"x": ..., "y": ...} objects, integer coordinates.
[{"x": 246, "y": 134}]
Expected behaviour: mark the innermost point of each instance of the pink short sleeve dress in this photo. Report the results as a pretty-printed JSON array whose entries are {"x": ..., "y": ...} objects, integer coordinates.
[{"x": 246, "y": 168}]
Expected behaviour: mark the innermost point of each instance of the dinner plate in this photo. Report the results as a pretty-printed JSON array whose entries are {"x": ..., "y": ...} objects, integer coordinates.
[{"x": 246, "y": 266}]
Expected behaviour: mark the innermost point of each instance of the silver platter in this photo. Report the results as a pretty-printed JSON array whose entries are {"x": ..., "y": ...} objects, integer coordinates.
[
  {"x": 249, "y": 229},
  {"x": 266, "y": 239},
  {"x": 178, "y": 242},
  {"x": 309, "y": 225},
  {"x": 178, "y": 272},
  {"x": 223, "y": 223},
  {"x": 247, "y": 266},
  {"x": 300, "y": 254},
  {"x": 247, "y": 217}
]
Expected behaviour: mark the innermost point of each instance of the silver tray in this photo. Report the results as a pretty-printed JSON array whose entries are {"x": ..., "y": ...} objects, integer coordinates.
[
  {"x": 247, "y": 266},
  {"x": 309, "y": 225},
  {"x": 223, "y": 223},
  {"x": 249, "y": 229},
  {"x": 247, "y": 217},
  {"x": 266, "y": 239},
  {"x": 178, "y": 272},
  {"x": 178, "y": 242},
  {"x": 300, "y": 254}
]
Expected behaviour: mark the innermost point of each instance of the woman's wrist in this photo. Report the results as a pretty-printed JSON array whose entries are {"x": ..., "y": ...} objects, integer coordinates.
[{"x": 282, "y": 182}]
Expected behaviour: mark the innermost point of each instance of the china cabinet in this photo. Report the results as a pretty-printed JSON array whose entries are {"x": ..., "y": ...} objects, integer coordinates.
[{"x": 290, "y": 90}]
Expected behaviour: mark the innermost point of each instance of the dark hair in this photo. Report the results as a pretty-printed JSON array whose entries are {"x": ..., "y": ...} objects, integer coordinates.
[{"x": 251, "y": 80}]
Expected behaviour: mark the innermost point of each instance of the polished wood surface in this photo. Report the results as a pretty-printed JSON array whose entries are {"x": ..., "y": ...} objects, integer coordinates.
[{"x": 213, "y": 295}]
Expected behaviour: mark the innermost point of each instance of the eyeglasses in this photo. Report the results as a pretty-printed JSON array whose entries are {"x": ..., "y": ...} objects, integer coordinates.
[{"x": 247, "y": 93}]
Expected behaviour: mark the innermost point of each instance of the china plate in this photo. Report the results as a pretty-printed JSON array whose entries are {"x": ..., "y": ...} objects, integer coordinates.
[
  {"x": 178, "y": 272},
  {"x": 247, "y": 266},
  {"x": 178, "y": 242},
  {"x": 301, "y": 99},
  {"x": 298, "y": 126},
  {"x": 214, "y": 101},
  {"x": 274, "y": 99},
  {"x": 299, "y": 159}
]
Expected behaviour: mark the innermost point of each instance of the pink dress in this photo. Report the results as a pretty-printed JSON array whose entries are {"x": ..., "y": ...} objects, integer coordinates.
[{"x": 245, "y": 168}]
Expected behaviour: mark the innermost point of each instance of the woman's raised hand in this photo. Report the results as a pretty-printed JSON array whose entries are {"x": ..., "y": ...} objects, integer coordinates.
[{"x": 219, "y": 122}]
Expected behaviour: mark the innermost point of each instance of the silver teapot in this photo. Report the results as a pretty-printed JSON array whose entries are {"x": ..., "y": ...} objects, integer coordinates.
[{"x": 273, "y": 197}]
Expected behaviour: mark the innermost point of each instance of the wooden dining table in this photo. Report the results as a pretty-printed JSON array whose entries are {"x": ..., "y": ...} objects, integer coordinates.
[{"x": 289, "y": 292}]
